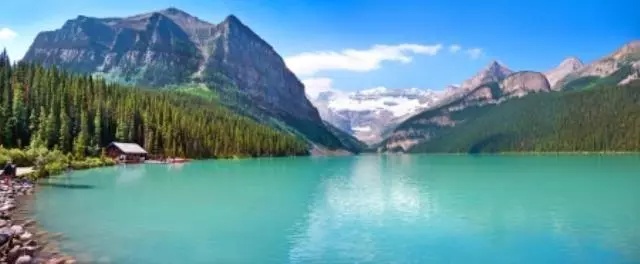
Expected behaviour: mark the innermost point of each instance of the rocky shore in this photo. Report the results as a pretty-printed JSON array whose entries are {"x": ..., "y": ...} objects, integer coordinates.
[{"x": 22, "y": 241}]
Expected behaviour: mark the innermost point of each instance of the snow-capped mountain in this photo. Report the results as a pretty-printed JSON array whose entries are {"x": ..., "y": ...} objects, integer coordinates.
[{"x": 367, "y": 114}]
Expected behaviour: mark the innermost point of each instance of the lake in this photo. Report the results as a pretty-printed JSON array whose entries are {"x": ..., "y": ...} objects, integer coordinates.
[{"x": 362, "y": 209}]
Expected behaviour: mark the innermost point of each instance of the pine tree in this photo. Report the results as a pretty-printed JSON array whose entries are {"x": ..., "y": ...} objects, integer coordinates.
[
  {"x": 19, "y": 112},
  {"x": 80, "y": 144},
  {"x": 65, "y": 130}
]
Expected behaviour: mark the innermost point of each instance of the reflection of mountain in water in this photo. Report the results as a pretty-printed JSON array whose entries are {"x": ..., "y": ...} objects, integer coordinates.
[
  {"x": 550, "y": 209},
  {"x": 355, "y": 205}
]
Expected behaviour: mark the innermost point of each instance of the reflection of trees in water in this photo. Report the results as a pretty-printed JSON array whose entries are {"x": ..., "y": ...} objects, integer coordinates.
[{"x": 507, "y": 201}]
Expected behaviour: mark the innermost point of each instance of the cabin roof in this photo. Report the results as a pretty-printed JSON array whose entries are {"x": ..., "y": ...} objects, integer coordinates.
[{"x": 129, "y": 148}]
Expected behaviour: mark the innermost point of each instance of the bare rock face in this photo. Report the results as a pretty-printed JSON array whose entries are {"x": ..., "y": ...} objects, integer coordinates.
[
  {"x": 566, "y": 67},
  {"x": 522, "y": 83},
  {"x": 494, "y": 72},
  {"x": 171, "y": 47}
]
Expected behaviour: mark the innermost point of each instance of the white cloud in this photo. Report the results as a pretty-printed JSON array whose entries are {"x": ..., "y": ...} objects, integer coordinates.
[
  {"x": 7, "y": 34},
  {"x": 309, "y": 63},
  {"x": 314, "y": 86},
  {"x": 454, "y": 48},
  {"x": 475, "y": 53}
]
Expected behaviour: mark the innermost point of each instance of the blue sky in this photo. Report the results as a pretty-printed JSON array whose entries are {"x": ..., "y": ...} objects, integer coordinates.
[{"x": 360, "y": 44}]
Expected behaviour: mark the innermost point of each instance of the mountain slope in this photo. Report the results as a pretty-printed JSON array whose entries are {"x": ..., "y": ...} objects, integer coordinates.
[
  {"x": 79, "y": 115},
  {"x": 347, "y": 140},
  {"x": 605, "y": 118},
  {"x": 624, "y": 56},
  {"x": 172, "y": 48},
  {"x": 428, "y": 124}
]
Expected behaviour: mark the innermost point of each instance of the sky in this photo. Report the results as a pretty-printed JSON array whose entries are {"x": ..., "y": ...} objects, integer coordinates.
[{"x": 351, "y": 45}]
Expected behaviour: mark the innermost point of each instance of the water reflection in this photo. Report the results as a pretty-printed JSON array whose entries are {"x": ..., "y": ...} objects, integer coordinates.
[
  {"x": 127, "y": 174},
  {"x": 353, "y": 205},
  {"x": 541, "y": 209}
]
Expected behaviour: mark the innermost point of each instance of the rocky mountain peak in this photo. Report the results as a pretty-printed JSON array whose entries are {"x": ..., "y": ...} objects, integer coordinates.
[
  {"x": 497, "y": 68},
  {"x": 565, "y": 68},
  {"x": 571, "y": 62},
  {"x": 630, "y": 48},
  {"x": 493, "y": 72},
  {"x": 174, "y": 11},
  {"x": 232, "y": 19}
]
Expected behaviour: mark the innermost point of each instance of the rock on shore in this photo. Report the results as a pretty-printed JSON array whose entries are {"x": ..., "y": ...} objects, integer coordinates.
[{"x": 19, "y": 241}]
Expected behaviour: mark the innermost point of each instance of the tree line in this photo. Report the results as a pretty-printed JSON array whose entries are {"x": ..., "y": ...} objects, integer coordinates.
[
  {"x": 80, "y": 114},
  {"x": 603, "y": 118}
]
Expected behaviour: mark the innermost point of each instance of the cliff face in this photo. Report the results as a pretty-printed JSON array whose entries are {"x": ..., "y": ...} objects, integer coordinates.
[
  {"x": 150, "y": 50},
  {"x": 522, "y": 83},
  {"x": 171, "y": 47}
]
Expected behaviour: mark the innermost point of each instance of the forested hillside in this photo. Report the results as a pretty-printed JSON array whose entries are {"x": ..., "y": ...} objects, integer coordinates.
[
  {"x": 79, "y": 114},
  {"x": 605, "y": 117}
]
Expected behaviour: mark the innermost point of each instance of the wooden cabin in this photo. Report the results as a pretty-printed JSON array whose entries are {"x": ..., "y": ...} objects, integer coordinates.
[{"x": 126, "y": 152}]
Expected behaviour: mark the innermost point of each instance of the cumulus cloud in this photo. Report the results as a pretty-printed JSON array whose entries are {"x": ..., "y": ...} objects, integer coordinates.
[
  {"x": 454, "y": 48},
  {"x": 475, "y": 53},
  {"x": 7, "y": 34},
  {"x": 314, "y": 86},
  {"x": 309, "y": 63}
]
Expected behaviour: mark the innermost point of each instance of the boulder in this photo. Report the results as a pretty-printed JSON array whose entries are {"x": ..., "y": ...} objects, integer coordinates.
[
  {"x": 26, "y": 236},
  {"x": 24, "y": 260},
  {"x": 17, "y": 229}
]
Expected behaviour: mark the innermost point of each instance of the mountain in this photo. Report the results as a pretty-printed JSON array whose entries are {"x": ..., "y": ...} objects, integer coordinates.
[
  {"x": 494, "y": 84},
  {"x": 170, "y": 48},
  {"x": 603, "y": 119},
  {"x": 366, "y": 114},
  {"x": 593, "y": 111},
  {"x": 494, "y": 72},
  {"x": 625, "y": 56},
  {"x": 566, "y": 67}
]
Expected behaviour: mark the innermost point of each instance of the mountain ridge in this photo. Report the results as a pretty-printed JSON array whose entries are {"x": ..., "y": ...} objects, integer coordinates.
[{"x": 445, "y": 118}]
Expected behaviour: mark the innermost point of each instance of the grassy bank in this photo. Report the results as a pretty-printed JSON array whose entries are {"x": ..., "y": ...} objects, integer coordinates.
[{"x": 49, "y": 162}]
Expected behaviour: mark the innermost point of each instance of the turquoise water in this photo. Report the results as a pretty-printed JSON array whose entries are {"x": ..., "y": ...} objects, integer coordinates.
[{"x": 366, "y": 209}]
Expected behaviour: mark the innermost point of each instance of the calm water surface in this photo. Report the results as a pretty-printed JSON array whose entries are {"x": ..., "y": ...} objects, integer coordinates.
[{"x": 367, "y": 209}]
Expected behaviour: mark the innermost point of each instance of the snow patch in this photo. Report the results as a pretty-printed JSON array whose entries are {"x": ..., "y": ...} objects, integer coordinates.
[{"x": 361, "y": 129}]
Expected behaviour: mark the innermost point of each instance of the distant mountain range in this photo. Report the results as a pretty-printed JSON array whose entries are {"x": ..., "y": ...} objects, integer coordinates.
[
  {"x": 372, "y": 115},
  {"x": 367, "y": 114},
  {"x": 484, "y": 104},
  {"x": 171, "y": 49}
]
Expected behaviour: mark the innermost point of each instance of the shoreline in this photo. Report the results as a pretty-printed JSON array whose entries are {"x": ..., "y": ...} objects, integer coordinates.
[{"x": 28, "y": 241}]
